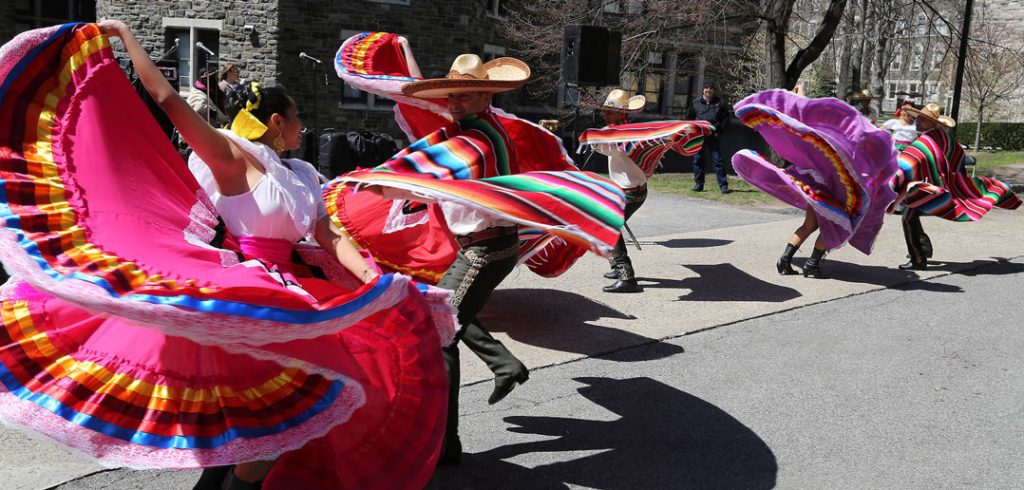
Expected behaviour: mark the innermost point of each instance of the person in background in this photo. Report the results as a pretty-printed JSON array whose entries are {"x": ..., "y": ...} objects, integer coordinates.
[
  {"x": 862, "y": 101},
  {"x": 709, "y": 107},
  {"x": 902, "y": 128}
]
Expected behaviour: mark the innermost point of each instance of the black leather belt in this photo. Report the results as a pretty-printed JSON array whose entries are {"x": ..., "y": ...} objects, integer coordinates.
[{"x": 487, "y": 234}]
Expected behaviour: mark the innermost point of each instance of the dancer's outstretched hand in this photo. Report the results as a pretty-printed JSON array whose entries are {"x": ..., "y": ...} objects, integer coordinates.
[{"x": 113, "y": 28}]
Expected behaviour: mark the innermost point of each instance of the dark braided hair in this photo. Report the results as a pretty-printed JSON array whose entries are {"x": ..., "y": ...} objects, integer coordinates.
[{"x": 272, "y": 99}]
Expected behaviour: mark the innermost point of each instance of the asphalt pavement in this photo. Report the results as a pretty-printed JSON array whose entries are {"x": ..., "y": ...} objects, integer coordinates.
[{"x": 722, "y": 374}]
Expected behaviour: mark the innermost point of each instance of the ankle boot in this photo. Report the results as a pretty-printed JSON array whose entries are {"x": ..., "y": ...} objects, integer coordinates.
[
  {"x": 783, "y": 264},
  {"x": 813, "y": 266}
]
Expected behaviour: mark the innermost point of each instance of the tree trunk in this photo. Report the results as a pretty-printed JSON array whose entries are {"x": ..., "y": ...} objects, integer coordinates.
[
  {"x": 879, "y": 67},
  {"x": 843, "y": 86},
  {"x": 977, "y": 130},
  {"x": 821, "y": 40},
  {"x": 867, "y": 21}
]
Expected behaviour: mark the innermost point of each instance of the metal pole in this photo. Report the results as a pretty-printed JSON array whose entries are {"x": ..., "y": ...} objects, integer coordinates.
[{"x": 958, "y": 85}]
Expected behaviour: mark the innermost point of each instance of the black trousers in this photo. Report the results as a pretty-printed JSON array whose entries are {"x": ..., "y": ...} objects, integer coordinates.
[
  {"x": 919, "y": 246},
  {"x": 619, "y": 259},
  {"x": 715, "y": 153},
  {"x": 478, "y": 269}
]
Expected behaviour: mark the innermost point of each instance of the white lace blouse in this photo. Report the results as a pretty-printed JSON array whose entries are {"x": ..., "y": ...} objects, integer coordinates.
[{"x": 285, "y": 203}]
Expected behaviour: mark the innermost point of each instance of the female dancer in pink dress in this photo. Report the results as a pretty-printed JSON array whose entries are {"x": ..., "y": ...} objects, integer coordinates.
[{"x": 159, "y": 322}]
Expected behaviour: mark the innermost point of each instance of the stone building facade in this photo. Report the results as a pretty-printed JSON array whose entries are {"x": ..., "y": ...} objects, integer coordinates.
[{"x": 266, "y": 37}]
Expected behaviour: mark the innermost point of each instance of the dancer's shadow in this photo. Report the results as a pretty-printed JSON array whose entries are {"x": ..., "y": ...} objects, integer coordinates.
[
  {"x": 724, "y": 282},
  {"x": 662, "y": 438},
  {"x": 889, "y": 277},
  {"x": 562, "y": 321},
  {"x": 692, "y": 243},
  {"x": 998, "y": 266}
]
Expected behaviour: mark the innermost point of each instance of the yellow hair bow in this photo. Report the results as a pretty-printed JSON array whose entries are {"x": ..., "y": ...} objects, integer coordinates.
[{"x": 245, "y": 124}]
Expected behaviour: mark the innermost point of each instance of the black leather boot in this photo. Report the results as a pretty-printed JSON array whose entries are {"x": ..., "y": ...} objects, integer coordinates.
[
  {"x": 623, "y": 286},
  {"x": 813, "y": 266},
  {"x": 915, "y": 266},
  {"x": 783, "y": 265},
  {"x": 504, "y": 384}
]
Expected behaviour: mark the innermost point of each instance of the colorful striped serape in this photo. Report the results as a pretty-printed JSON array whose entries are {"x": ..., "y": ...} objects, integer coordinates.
[
  {"x": 645, "y": 143},
  {"x": 373, "y": 62},
  {"x": 932, "y": 180}
]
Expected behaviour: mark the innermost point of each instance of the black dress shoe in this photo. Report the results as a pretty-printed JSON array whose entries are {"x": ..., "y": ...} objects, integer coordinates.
[
  {"x": 451, "y": 452},
  {"x": 698, "y": 188},
  {"x": 611, "y": 275},
  {"x": 724, "y": 190},
  {"x": 503, "y": 385},
  {"x": 623, "y": 286},
  {"x": 916, "y": 266}
]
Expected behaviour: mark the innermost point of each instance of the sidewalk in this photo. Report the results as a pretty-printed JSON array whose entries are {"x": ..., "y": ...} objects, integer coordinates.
[{"x": 702, "y": 266}]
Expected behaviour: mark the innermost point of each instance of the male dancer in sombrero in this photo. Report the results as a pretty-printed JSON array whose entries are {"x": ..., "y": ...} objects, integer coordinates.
[
  {"x": 489, "y": 173},
  {"x": 633, "y": 151},
  {"x": 932, "y": 181}
]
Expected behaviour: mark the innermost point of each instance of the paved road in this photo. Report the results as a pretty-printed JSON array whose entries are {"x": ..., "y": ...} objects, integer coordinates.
[{"x": 791, "y": 382}]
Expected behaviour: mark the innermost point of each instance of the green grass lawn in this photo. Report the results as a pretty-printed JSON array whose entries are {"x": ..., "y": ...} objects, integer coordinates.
[
  {"x": 988, "y": 160},
  {"x": 744, "y": 194},
  {"x": 741, "y": 193}
]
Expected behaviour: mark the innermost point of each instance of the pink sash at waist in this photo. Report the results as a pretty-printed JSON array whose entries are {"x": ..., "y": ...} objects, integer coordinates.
[{"x": 277, "y": 251}]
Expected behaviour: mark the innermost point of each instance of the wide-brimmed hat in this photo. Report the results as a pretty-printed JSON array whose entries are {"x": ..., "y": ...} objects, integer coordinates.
[
  {"x": 931, "y": 112},
  {"x": 470, "y": 74},
  {"x": 618, "y": 100},
  {"x": 864, "y": 95}
]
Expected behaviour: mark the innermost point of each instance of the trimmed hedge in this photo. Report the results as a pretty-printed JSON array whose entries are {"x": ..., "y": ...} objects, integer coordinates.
[{"x": 1007, "y": 136}]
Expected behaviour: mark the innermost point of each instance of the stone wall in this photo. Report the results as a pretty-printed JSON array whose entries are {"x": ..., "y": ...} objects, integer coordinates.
[
  {"x": 256, "y": 54},
  {"x": 438, "y": 30}
]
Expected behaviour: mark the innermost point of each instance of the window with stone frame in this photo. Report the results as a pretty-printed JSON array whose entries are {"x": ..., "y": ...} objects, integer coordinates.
[
  {"x": 652, "y": 90},
  {"x": 192, "y": 62},
  {"x": 33, "y": 14},
  {"x": 932, "y": 92},
  {"x": 891, "y": 94},
  {"x": 921, "y": 26},
  {"x": 917, "y": 59},
  {"x": 897, "y": 59},
  {"x": 938, "y": 55},
  {"x": 496, "y": 9}
]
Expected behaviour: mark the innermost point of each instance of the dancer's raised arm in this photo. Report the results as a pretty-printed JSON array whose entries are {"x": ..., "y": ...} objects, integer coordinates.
[{"x": 226, "y": 161}]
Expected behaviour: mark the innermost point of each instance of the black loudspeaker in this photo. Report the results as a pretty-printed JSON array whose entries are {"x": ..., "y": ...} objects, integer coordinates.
[{"x": 590, "y": 55}]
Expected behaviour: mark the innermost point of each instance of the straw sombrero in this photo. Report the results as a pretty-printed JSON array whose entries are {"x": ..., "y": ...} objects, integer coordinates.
[
  {"x": 470, "y": 74},
  {"x": 864, "y": 95},
  {"x": 618, "y": 100},
  {"x": 931, "y": 112}
]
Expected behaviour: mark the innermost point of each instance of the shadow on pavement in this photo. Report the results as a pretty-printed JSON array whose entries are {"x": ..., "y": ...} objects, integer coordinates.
[
  {"x": 559, "y": 320},
  {"x": 723, "y": 282},
  {"x": 663, "y": 438},
  {"x": 880, "y": 276},
  {"x": 692, "y": 243},
  {"x": 996, "y": 267}
]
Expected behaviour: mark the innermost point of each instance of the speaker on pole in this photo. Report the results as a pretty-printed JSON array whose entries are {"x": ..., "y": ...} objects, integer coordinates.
[{"x": 590, "y": 55}]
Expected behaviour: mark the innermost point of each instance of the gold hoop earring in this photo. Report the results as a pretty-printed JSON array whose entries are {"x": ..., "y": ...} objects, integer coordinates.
[{"x": 278, "y": 144}]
